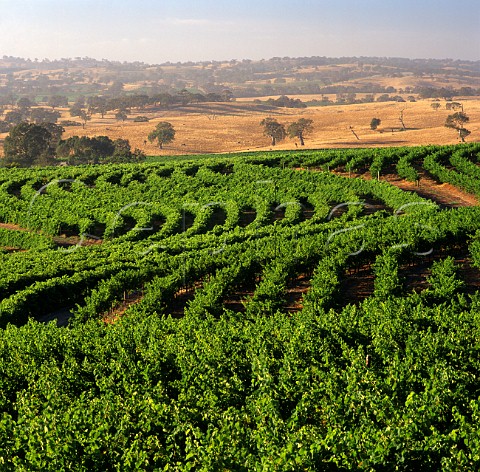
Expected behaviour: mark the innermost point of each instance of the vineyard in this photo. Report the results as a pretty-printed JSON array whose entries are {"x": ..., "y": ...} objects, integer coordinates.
[{"x": 263, "y": 311}]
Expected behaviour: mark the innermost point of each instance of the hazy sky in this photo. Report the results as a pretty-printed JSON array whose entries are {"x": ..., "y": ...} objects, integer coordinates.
[{"x": 157, "y": 31}]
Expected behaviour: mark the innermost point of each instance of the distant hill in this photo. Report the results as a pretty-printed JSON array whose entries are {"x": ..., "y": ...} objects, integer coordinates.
[{"x": 246, "y": 78}]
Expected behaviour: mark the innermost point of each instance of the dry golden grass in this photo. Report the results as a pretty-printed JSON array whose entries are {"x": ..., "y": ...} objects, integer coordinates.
[{"x": 235, "y": 127}]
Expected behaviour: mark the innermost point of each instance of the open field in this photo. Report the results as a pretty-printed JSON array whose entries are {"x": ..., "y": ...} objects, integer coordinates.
[
  {"x": 212, "y": 126},
  {"x": 235, "y": 127}
]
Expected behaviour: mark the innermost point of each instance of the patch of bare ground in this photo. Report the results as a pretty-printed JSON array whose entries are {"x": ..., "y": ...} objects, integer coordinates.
[
  {"x": 237, "y": 299},
  {"x": 357, "y": 284},
  {"x": 11, "y": 249},
  {"x": 61, "y": 316},
  {"x": 180, "y": 300},
  {"x": 446, "y": 195},
  {"x": 12, "y": 227},
  {"x": 296, "y": 290},
  {"x": 67, "y": 241},
  {"x": 62, "y": 240},
  {"x": 415, "y": 271},
  {"x": 117, "y": 311}
]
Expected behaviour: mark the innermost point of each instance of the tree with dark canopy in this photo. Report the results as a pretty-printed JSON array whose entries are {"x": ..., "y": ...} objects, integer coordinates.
[
  {"x": 273, "y": 129},
  {"x": 164, "y": 133},
  {"x": 28, "y": 144},
  {"x": 456, "y": 121},
  {"x": 300, "y": 128},
  {"x": 375, "y": 123}
]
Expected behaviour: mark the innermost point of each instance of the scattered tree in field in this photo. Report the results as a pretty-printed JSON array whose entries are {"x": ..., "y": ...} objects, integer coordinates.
[
  {"x": 77, "y": 110},
  {"x": 353, "y": 132},
  {"x": 456, "y": 121},
  {"x": 163, "y": 133},
  {"x": 27, "y": 144},
  {"x": 15, "y": 117},
  {"x": 286, "y": 102},
  {"x": 454, "y": 106},
  {"x": 227, "y": 95},
  {"x": 375, "y": 123},
  {"x": 84, "y": 116},
  {"x": 273, "y": 129},
  {"x": 121, "y": 115},
  {"x": 400, "y": 118},
  {"x": 97, "y": 105},
  {"x": 299, "y": 129},
  {"x": 57, "y": 101},
  {"x": 43, "y": 115},
  {"x": 435, "y": 106},
  {"x": 25, "y": 103},
  {"x": 463, "y": 133},
  {"x": 56, "y": 131}
]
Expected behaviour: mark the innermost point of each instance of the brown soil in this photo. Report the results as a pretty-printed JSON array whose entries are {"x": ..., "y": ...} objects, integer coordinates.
[
  {"x": 180, "y": 300},
  {"x": 62, "y": 240},
  {"x": 415, "y": 272},
  {"x": 66, "y": 241},
  {"x": 296, "y": 289},
  {"x": 237, "y": 299},
  {"x": 12, "y": 227},
  {"x": 444, "y": 194},
  {"x": 12, "y": 249},
  {"x": 357, "y": 286},
  {"x": 117, "y": 311}
]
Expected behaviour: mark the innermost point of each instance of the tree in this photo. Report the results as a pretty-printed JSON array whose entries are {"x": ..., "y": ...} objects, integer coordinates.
[
  {"x": 15, "y": 117},
  {"x": 57, "y": 101},
  {"x": 77, "y": 110},
  {"x": 97, "y": 105},
  {"x": 25, "y": 103},
  {"x": 84, "y": 116},
  {"x": 42, "y": 115},
  {"x": 164, "y": 133},
  {"x": 273, "y": 129},
  {"x": 121, "y": 115},
  {"x": 375, "y": 123},
  {"x": 185, "y": 96},
  {"x": 299, "y": 129},
  {"x": 99, "y": 149},
  {"x": 56, "y": 131},
  {"x": 456, "y": 121},
  {"x": 463, "y": 133},
  {"x": 27, "y": 144},
  {"x": 227, "y": 95}
]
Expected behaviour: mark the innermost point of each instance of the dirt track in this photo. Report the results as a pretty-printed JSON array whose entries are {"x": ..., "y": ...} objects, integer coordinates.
[{"x": 444, "y": 194}]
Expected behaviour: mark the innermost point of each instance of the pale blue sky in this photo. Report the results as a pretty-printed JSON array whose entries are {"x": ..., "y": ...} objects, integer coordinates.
[{"x": 157, "y": 31}]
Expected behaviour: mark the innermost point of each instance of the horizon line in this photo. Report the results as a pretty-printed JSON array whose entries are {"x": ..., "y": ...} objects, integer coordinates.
[{"x": 81, "y": 58}]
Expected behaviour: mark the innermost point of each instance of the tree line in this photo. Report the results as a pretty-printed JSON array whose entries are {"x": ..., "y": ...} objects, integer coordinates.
[{"x": 30, "y": 144}]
